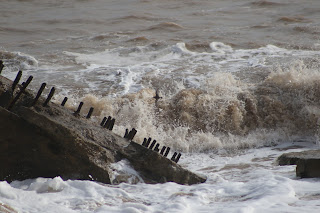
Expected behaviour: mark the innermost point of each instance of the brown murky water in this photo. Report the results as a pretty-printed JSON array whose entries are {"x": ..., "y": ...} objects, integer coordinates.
[{"x": 38, "y": 27}]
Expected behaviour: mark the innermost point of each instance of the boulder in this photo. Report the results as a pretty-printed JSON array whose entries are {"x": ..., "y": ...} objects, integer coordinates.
[
  {"x": 308, "y": 162},
  {"x": 49, "y": 141}
]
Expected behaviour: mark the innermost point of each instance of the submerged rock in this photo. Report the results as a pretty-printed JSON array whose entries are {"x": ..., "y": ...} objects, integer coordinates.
[
  {"x": 50, "y": 141},
  {"x": 308, "y": 162}
]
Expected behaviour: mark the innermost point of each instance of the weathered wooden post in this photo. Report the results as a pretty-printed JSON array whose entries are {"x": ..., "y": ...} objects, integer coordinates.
[
  {"x": 131, "y": 134},
  {"x": 107, "y": 123},
  {"x": 49, "y": 96},
  {"x": 103, "y": 121},
  {"x": 167, "y": 152},
  {"x": 148, "y": 142},
  {"x": 20, "y": 92},
  {"x": 90, "y": 112},
  {"x": 174, "y": 156},
  {"x": 43, "y": 85},
  {"x": 156, "y": 148},
  {"x": 16, "y": 80},
  {"x": 152, "y": 144},
  {"x": 178, "y": 158},
  {"x": 79, "y": 109},
  {"x": 64, "y": 101},
  {"x": 126, "y": 134},
  {"x": 112, "y": 124},
  {"x": 162, "y": 150},
  {"x": 144, "y": 143}
]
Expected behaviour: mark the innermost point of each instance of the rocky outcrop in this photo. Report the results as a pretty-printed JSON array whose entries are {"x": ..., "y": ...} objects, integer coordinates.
[
  {"x": 48, "y": 140},
  {"x": 156, "y": 169},
  {"x": 40, "y": 147},
  {"x": 308, "y": 162}
]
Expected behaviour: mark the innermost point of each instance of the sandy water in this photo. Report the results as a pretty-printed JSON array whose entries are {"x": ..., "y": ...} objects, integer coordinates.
[{"x": 239, "y": 82}]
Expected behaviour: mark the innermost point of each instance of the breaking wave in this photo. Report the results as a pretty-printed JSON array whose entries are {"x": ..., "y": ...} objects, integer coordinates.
[
  {"x": 224, "y": 113},
  {"x": 213, "y": 96},
  {"x": 18, "y": 61}
]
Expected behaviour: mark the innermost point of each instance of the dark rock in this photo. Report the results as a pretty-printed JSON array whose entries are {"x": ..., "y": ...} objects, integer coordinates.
[
  {"x": 288, "y": 159},
  {"x": 154, "y": 168},
  {"x": 308, "y": 162},
  {"x": 49, "y": 141},
  {"x": 39, "y": 147},
  {"x": 308, "y": 168}
]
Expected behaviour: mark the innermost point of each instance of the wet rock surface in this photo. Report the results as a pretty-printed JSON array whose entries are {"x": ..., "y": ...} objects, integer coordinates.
[
  {"x": 308, "y": 162},
  {"x": 154, "y": 168},
  {"x": 49, "y": 141}
]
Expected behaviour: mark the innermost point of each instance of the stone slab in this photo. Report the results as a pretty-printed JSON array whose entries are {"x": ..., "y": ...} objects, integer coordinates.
[{"x": 308, "y": 162}]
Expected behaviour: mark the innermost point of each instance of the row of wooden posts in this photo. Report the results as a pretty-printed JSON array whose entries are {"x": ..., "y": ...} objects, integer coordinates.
[
  {"x": 153, "y": 146},
  {"x": 107, "y": 122},
  {"x": 164, "y": 150}
]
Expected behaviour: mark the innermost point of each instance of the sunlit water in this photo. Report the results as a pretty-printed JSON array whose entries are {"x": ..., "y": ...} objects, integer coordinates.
[{"x": 239, "y": 82}]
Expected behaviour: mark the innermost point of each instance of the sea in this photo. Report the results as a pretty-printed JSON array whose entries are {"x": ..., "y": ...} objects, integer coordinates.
[{"x": 238, "y": 84}]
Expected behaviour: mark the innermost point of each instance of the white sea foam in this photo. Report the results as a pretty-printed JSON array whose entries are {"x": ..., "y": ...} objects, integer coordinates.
[
  {"x": 125, "y": 70},
  {"x": 247, "y": 181},
  {"x": 175, "y": 63},
  {"x": 18, "y": 61},
  {"x": 123, "y": 172}
]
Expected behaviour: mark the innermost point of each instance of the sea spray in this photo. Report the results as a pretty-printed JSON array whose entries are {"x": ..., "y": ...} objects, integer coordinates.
[
  {"x": 15, "y": 61},
  {"x": 214, "y": 99},
  {"x": 224, "y": 113}
]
